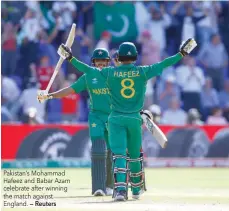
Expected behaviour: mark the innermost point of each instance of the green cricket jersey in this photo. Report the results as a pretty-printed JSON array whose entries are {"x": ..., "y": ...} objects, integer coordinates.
[
  {"x": 127, "y": 83},
  {"x": 94, "y": 83}
]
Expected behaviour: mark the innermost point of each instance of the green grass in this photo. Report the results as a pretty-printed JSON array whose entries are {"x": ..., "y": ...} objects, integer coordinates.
[{"x": 167, "y": 189}]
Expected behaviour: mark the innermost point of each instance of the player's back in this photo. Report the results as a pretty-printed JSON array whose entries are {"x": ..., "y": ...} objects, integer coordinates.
[{"x": 127, "y": 85}]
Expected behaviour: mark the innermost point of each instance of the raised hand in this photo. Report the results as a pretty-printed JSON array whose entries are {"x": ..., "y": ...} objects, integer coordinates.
[
  {"x": 64, "y": 52},
  {"x": 187, "y": 47}
]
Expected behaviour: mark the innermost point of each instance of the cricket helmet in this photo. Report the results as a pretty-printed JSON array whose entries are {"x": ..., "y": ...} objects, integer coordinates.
[
  {"x": 100, "y": 53},
  {"x": 127, "y": 51}
]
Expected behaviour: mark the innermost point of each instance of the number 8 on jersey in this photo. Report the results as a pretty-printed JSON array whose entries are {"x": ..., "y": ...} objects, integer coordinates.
[{"x": 127, "y": 84}]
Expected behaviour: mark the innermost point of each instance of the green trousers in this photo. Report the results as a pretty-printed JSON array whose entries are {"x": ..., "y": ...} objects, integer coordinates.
[
  {"x": 98, "y": 126},
  {"x": 125, "y": 133}
]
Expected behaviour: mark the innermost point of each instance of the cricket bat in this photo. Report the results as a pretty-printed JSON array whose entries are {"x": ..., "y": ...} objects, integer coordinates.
[
  {"x": 69, "y": 43},
  {"x": 155, "y": 130}
]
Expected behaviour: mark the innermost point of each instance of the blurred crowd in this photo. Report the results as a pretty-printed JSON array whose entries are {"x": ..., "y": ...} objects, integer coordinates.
[{"x": 195, "y": 91}]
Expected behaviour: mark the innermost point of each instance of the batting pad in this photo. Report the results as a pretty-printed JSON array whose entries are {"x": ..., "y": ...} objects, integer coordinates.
[
  {"x": 109, "y": 163},
  {"x": 98, "y": 165}
]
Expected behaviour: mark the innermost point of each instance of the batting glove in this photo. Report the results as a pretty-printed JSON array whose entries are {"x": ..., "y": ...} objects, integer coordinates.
[
  {"x": 187, "y": 47},
  {"x": 65, "y": 52},
  {"x": 147, "y": 113},
  {"x": 43, "y": 95}
]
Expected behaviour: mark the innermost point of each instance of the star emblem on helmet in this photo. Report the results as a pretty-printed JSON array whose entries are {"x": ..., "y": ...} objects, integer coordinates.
[
  {"x": 129, "y": 53},
  {"x": 100, "y": 52}
]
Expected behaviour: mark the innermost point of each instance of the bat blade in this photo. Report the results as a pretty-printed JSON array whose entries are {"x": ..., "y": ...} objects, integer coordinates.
[
  {"x": 156, "y": 131},
  {"x": 69, "y": 43},
  {"x": 71, "y": 36}
]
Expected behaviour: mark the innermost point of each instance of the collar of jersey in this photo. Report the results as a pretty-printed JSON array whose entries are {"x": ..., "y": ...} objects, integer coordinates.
[{"x": 126, "y": 65}]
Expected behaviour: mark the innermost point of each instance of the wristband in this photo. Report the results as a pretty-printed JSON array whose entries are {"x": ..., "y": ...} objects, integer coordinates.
[
  {"x": 183, "y": 53},
  {"x": 69, "y": 58}
]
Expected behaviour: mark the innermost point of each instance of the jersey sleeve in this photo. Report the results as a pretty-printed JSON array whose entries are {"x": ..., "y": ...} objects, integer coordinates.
[
  {"x": 82, "y": 67},
  {"x": 79, "y": 85},
  {"x": 156, "y": 69}
]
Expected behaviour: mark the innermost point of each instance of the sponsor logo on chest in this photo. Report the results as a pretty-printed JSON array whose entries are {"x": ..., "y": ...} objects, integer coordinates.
[
  {"x": 94, "y": 81},
  {"x": 98, "y": 91}
]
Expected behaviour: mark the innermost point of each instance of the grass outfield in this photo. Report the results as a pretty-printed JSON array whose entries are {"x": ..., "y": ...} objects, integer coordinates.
[{"x": 167, "y": 190}]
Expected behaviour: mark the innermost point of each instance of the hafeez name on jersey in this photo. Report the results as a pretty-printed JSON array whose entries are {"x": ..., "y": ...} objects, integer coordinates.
[{"x": 129, "y": 74}]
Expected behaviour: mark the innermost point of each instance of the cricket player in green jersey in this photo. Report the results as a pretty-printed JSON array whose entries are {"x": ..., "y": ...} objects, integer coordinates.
[
  {"x": 127, "y": 86},
  {"x": 93, "y": 82}
]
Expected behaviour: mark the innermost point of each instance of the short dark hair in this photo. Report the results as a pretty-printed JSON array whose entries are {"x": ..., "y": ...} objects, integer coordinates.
[{"x": 127, "y": 58}]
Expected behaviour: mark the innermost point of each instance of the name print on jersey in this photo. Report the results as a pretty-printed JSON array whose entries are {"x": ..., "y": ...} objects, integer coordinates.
[
  {"x": 129, "y": 74},
  {"x": 102, "y": 91}
]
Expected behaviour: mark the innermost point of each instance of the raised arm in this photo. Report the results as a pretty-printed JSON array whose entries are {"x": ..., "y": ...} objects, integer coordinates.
[
  {"x": 157, "y": 69},
  {"x": 76, "y": 87},
  {"x": 176, "y": 8},
  {"x": 66, "y": 53},
  {"x": 82, "y": 67},
  {"x": 170, "y": 61}
]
